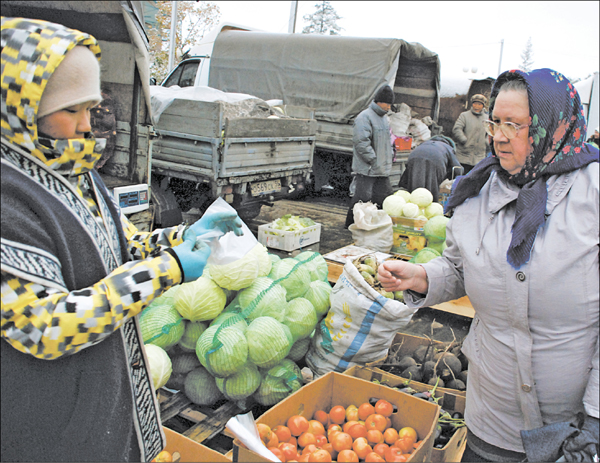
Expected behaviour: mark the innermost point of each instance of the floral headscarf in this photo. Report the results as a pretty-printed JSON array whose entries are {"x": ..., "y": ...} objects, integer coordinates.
[
  {"x": 31, "y": 52},
  {"x": 557, "y": 136}
]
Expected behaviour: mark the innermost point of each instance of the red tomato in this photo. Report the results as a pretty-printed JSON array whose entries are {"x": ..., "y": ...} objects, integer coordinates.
[
  {"x": 347, "y": 456},
  {"x": 297, "y": 424},
  {"x": 319, "y": 455},
  {"x": 374, "y": 458},
  {"x": 394, "y": 454},
  {"x": 383, "y": 407},
  {"x": 341, "y": 441}
]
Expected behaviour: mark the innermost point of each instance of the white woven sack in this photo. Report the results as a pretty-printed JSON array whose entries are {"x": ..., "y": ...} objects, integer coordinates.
[
  {"x": 372, "y": 227},
  {"x": 360, "y": 326}
]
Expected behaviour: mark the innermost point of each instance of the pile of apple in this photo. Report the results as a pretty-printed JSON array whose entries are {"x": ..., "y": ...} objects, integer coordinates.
[{"x": 343, "y": 434}]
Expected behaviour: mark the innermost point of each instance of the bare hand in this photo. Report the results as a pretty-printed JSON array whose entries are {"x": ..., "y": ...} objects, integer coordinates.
[{"x": 396, "y": 275}]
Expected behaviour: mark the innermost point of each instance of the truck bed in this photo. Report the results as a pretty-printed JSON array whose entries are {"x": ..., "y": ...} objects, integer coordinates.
[{"x": 196, "y": 140}]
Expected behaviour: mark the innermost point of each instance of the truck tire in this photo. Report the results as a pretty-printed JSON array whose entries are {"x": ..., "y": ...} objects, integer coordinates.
[
  {"x": 166, "y": 210},
  {"x": 249, "y": 212}
]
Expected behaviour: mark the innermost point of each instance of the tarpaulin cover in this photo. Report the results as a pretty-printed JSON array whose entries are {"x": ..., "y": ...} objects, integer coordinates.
[{"x": 337, "y": 76}]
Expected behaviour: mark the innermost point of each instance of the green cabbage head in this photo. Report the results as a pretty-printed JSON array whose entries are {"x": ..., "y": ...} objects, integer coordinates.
[
  {"x": 161, "y": 325},
  {"x": 241, "y": 384},
  {"x": 269, "y": 341},
  {"x": 300, "y": 317},
  {"x": 318, "y": 295},
  {"x": 293, "y": 277},
  {"x": 241, "y": 273},
  {"x": 315, "y": 264},
  {"x": 280, "y": 381},
  {"x": 223, "y": 351},
  {"x": 159, "y": 364},
  {"x": 200, "y": 300},
  {"x": 263, "y": 298}
]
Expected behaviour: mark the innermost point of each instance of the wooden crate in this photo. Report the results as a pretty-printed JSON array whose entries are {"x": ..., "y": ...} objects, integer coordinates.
[{"x": 202, "y": 424}]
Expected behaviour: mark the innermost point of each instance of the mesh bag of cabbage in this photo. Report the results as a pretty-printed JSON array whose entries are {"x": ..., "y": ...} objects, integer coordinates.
[
  {"x": 255, "y": 306},
  {"x": 359, "y": 327}
]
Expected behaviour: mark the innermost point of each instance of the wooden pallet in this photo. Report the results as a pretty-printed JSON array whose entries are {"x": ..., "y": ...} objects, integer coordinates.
[{"x": 202, "y": 424}]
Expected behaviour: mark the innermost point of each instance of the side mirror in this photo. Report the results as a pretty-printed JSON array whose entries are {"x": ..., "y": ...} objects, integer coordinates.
[{"x": 152, "y": 81}]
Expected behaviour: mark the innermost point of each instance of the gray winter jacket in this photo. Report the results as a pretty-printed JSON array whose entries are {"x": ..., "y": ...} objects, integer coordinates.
[
  {"x": 533, "y": 343},
  {"x": 470, "y": 137},
  {"x": 372, "y": 143}
]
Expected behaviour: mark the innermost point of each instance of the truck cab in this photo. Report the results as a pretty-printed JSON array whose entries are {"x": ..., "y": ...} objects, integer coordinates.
[{"x": 194, "y": 71}]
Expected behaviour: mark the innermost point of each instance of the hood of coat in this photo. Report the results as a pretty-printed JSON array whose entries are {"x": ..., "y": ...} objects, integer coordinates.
[{"x": 31, "y": 51}]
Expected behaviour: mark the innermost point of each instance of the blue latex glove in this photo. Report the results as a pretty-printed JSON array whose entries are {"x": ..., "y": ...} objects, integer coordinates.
[
  {"x": 225, "y": 221},
  {"x": 192, "y": 256}
]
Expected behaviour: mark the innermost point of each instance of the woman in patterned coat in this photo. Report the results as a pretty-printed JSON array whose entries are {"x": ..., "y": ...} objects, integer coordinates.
[{"x": 75, "y": 273}]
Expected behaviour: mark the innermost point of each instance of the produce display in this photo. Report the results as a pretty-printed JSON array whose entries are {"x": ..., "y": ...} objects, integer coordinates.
[
  {"x": 443, "y": 365},
  {"x": 416, "y": 205},
  {"x": 291, "y": 222},
  {"x": 237, "y": 332},
  {"x": 367, "y": 267},
  {"x": 448, "y": 423},
  {"x": 418, "y": 221},
  {"x": 359, "y": 432}
]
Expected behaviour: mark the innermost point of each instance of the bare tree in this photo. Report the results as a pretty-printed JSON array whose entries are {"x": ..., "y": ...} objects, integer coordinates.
[
  {"x": 194, "y": 19},
  {"x": 322, "y": 21},
  {"x": 527, "y": 57}
]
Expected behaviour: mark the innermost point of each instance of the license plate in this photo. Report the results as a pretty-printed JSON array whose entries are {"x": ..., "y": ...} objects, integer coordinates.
[{"x": 263, "y": 188}]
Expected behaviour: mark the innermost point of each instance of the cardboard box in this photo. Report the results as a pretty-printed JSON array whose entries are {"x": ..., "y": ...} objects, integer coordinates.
[
  {"x": 409, "y": 237},
  {"x": 184, "y": 449},
  {"x": 450, "y": 401},
  {"x": 338, "y": 389},
  {"x": 403, "y": 143},
  {"x": 409, "y": 344},
  {"x": 288, "y": 240}
]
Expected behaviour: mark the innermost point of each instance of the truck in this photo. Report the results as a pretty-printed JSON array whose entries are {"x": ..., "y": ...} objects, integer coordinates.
[
  {"x": 203, "y": 153},
  {"x": 119, "y": 28},
  {"x": 335, "y": 76}
]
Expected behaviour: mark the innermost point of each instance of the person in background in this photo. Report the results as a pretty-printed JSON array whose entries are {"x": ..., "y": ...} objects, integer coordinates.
[
  {"x": 429, "y": 164},
  {"x": 469, "y": 133},
  {"x": 373, "y": 154},
  {"x": 523, "y": 244},
  {"x": 595, "y": 139},
  {"x": 75, "y": 385}
]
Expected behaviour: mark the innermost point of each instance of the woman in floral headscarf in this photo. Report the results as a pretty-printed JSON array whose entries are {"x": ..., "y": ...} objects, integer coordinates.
[{"x": 523, "y": 245}]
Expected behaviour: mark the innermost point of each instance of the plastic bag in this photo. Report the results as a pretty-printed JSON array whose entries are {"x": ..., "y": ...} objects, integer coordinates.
[
  {"x": 359, "y": 327},
  {"x": 228, "y": 247},
  {"x": 372, "y": 227}
]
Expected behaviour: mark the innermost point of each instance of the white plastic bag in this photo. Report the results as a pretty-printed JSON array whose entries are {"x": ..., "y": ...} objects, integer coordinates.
[
  {"x": 359, "y": 327},
  {"x": 372, "y": 227},
  {"x": 228, "y": 247}
]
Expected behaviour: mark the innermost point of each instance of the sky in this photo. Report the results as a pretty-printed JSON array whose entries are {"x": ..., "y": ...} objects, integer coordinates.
[{"x": 466, "y": 35}]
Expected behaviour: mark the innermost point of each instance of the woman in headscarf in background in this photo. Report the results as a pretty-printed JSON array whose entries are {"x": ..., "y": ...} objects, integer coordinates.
[
  {"x": 523, "y": 244},
  {"x": 75, "y": 384}
]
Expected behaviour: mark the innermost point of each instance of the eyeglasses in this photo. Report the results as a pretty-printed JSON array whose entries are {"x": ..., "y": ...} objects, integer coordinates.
[{"x": 509, "y": 129}]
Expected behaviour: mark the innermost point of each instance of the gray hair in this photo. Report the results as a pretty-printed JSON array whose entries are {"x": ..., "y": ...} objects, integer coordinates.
[{"x": 517, "y": 85}]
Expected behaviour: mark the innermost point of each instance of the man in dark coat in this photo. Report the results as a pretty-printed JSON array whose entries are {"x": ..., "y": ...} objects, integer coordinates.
[{"x": 429, "y": 165}]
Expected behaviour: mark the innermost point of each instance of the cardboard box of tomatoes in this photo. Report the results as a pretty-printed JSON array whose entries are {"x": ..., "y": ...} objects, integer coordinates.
[
  {"x": 449, "y": 401},
  {"x": 183, "y": 449},
  {"x": 339, "y": 391}
]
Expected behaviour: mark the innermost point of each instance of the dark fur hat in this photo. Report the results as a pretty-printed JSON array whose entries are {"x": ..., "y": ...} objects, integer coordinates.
[{"x": 384, "y": 95}]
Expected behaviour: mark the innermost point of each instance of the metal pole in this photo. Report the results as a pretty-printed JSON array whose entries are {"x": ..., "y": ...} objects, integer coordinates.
[
  {"x": 500, "y": 62},
  {"x": 173, "y": 34},
  {"x": 293, "y": 13}
]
